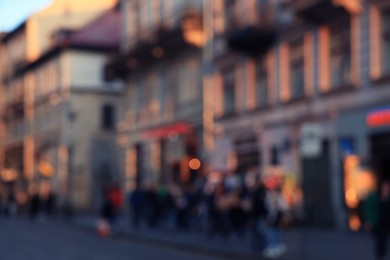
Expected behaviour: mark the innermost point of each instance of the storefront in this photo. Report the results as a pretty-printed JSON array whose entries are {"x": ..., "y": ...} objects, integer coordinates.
[
  {"x": 165, "y": 155},
  {"x": 364, "y": 145}
]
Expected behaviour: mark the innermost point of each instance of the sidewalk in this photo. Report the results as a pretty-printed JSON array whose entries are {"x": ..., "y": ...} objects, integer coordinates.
[{"x": 302, "y": 244}]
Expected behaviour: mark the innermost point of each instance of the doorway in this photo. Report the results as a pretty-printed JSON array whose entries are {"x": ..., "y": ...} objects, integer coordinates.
[
  {"x": 380, "y": 156},
  {"x": 316, "y": 186}
]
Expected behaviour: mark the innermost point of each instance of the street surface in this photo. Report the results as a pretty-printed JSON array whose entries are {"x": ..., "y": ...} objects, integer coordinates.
[{"x": 22, "y": 239}]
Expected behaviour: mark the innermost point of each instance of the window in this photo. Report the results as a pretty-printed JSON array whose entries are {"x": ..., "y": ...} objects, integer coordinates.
[
  {"x": 386, "y": 41},
  {"x": 261, "y": 82},
  {"x": 189, "y": 81},
  {"x": 297, "y": 83},
  {"x": 168, "y": 89},
  {"x": 229, "y": 14},
  {"x": 107, "y": 117},
  {"x": 153, "y": 94},
  {"x": 228, "y": 92},
  {"x": 340, "y": 54},
  {"x": 139, "y": 93},
  {"x": 275, "y": 156}
]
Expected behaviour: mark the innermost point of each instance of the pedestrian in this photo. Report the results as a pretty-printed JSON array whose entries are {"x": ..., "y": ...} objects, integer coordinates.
[
  {"x": 182, "y": 208},
  {"x": 104, "y": 225},
  {"x": 377, "y": 218},
  {"x": 151, "y": 206},
  {"x": 107, "y": 213},
  {"x": 276, "y": 208},
  {"x": 11, "y": 204},
  {"x": 259, "y": 216},
  {"x": 50, "y": 204},
  {"x": 135, "y": 203},
  {"x": 236, "y": 213},
  {"x": 116, "y": 200},
  {"x": 35, "y": 206},
  {"x": 223, "y": 202}
]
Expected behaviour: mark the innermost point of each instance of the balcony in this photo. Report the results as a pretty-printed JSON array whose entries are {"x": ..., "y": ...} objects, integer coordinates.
[
  {"x": 183, "y": 30},
  {"x": 323, "y": 11},
  {"x": 252, "y": 30}
]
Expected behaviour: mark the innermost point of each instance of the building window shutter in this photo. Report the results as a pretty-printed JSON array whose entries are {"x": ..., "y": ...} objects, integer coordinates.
[
  {"x": 218, "y": 95},
  {"x": 252, "y": 11},
  {"x": 219, "y": 22},
  {"x": 309, "y": 63},
  {"x": 324, "y": 54},
  {"x": 375, "y": 44},
  {"x": 285, "y": 92},
  {"x": 251, "y": 84},
  {"x": 237, "y": 84},
  {"x": 355, "y": 50},
  {"x": 271, "y": 77}
]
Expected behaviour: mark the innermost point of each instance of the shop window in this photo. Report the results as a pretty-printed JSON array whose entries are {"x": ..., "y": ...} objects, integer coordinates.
[
  {"x": 108, "y": 117},
  {"x": 297, "y": 69},
  {"x": 340, "y": 54}
]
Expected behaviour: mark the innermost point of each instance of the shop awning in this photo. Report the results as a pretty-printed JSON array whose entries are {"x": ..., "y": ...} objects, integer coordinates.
[{"x": 167, "y": 131}]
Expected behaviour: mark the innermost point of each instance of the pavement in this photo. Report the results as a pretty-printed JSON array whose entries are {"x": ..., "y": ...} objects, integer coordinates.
[
  {"x": 303, "y": 244},
  {"x": 21, "y": 239}
]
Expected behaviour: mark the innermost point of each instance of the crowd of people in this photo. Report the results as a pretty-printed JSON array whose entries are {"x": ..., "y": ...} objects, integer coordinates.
[
  {"x": 37, "y": 205},
  {"x": 225, "y": 208}
]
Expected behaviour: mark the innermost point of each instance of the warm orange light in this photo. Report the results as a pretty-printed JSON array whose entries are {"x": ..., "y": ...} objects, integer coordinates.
[
  {"x": 46, "y": 169},
  {"x": 9, "y": 175},
  {"x": 366, "y": 183},
  {"x": 351, "y": 198},
  {"x": 194, "y": 164},
  {"x": 195, "y": 37},
  {"x": 354, "y": 223}
]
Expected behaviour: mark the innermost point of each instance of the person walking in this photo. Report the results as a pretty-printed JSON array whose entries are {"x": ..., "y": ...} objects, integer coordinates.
[
  {"x": 116, "y": 198},
  {"x": 35, "y": 206},
  {"x": 377, "y": 218},
  {"x": 151, "y": 205},
  {"x": 136, "y": 202},
  {"x": 276, "y": 208},
  {"x": 259, "y": 213},
  {"x": 107, "y": 217}
]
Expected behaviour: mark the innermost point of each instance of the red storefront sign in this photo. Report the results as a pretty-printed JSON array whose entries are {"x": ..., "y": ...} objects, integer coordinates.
[
  {"x": 378, "y": 118},
  {"x": 165, "y": 131}
]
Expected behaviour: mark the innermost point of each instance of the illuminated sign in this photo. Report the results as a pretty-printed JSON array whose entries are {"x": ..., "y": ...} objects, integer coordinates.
[
  {"x": 168, "y": 131},
  {"x": 378, "y": 118}
]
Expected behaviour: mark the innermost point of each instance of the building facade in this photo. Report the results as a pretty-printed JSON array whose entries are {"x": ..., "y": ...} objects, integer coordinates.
[
  {"x": 58, "y": 114},
  {"x": 161, "y": 61},
  {"x": 307, "y": 82}
]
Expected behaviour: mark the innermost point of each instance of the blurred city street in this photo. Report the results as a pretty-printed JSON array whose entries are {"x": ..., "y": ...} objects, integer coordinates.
[
  {"x": 23, "y": 239},
  {"x": 194, "y": 129},
  {"x": 302, "y": 243}
]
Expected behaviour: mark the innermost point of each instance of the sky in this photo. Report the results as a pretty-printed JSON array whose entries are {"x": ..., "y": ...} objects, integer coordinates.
[{"x": 14, "y": 12}]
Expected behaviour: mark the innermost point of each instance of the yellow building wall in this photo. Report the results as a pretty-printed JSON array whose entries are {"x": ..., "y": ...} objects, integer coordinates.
[{"x": 69, "y": 14}]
